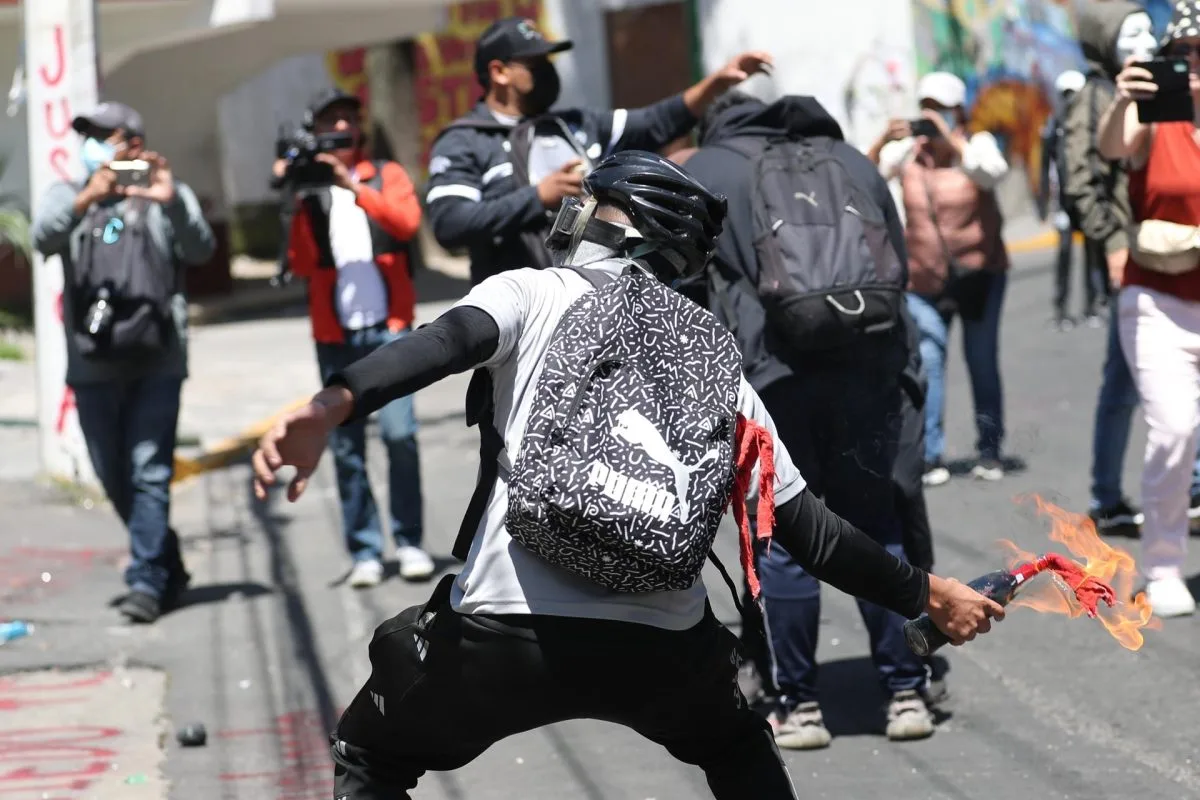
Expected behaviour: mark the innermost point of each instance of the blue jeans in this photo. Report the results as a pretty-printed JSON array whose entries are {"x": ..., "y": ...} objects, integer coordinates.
[
  {"x": 129, "y": 428},
  {"x": 398, "y": 428},
  {"x": 842, "y": 427},
  {"x": 1114, "y": 417},
  {"x": 981, "y": 348}
]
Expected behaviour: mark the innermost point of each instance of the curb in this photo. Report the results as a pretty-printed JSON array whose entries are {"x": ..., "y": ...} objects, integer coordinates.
[
  {"x": 248, "y": 301},
  {"x": 1042, "y": 241},
  {"x": 229, "y": 451}
]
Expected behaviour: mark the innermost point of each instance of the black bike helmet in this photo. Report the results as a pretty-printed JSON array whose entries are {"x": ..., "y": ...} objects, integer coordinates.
[{"x": 667, "y": 206}]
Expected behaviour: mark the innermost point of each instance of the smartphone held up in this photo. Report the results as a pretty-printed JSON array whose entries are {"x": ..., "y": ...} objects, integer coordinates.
[
  {"x": 924, "y": 127},
  {"x": 1172, "y": 102},
  {"x": 131, "y": 173}
]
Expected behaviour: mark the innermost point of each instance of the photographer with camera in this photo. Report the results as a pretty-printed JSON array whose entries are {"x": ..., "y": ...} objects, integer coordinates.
[
  {"x": 351, "y": 223},
  {"x": 125, "y": 232},
  {"x": 498, "y": 174}
]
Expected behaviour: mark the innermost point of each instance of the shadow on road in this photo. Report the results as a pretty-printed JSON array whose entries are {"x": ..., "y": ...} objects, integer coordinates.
[
  {"x": 220, "y": 592},
  {"x": 961, "y": 467},
  {"x": 853, "y": 702}
]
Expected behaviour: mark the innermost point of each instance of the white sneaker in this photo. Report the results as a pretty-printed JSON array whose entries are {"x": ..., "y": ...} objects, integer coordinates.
[
  {"x": 988, "y": 469},
  {"x": 1169, "y": 597},
  {"x": 365, "y": 574},
  {"x": 803, "y": 728},
  {"x": 935, "y": 474},
  {"x": 415, "y": 563},
  {"x": 908, "y": 718}
]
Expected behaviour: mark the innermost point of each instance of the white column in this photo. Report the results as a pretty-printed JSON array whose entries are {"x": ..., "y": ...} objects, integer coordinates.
[{"x": 60, "y": 68}]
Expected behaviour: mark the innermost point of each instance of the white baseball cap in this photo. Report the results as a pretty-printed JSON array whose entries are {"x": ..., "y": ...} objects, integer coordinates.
[
  {"x": 942, "y": 88},
  {"x": 1070, "y": 81}
]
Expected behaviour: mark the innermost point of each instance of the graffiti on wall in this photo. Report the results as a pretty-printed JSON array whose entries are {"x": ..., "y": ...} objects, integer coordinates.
[
  {"x": 348, "y": 73},
  {"x": 1009, "y": 53},
  {"x": 444, "y": 66}
]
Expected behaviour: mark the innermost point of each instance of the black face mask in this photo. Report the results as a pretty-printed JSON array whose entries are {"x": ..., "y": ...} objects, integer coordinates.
[{"x": 546, "y": 86}]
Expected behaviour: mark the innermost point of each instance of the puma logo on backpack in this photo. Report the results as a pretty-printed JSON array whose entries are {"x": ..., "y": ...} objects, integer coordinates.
[{"x": 827, "y": 272}]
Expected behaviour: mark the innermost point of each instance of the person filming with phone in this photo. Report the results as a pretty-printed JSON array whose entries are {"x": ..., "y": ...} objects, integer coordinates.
[
  {"x": 125, "y": 232},
  {"x": 957, "y": 262},
  {"x": 1152, "y": 124}
]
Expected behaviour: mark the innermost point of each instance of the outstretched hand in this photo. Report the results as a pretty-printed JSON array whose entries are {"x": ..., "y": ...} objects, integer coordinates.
[{"x": 298, "y": 440}]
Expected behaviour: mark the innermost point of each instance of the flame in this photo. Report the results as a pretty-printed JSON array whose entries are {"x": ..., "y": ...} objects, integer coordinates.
[{"x": 1127, "y": 618}]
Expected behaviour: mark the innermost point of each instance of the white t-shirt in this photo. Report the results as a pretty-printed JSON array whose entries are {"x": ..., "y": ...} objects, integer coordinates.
[
  {"x": 361, "y": 292},
  {"x": 500, "y": 575}
]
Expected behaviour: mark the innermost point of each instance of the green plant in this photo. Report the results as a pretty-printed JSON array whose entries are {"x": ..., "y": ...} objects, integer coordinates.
[
  {"x": 11, "y": 351},
  {"x": 16, "y": 319},
  {"x": 14, "y": 229}
]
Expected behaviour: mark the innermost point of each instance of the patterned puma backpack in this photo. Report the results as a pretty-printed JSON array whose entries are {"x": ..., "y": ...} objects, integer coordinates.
[{"x": 628, "y": 457}]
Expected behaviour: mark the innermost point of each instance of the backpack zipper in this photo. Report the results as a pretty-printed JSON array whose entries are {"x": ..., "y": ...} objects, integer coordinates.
[{"x": 580, "y": 387}]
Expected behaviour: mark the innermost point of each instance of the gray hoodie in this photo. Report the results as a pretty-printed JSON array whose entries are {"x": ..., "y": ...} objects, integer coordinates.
[
  {"x": 178, "y": 228},
  {"x": 1096, "y": 190}
]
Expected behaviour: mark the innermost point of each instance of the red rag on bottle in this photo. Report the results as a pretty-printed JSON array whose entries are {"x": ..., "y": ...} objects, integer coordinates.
[
  {"x": 754, "y": 445},
  {"x": 1090, "y": 591}
]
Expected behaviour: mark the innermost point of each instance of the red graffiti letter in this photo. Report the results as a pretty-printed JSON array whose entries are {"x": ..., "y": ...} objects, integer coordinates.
[
  {"x": 59, "y": 159},
  {"x": 65, "y": 406},
  {"x": 60, "y": 53},
  {"x": 65, "y": 128}
]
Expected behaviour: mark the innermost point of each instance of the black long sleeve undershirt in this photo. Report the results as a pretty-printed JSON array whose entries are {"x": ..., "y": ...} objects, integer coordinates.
[
  {"x": 461, "y": 339},
  {"x": 835, "y": 552},
  {"x": 831, "y": 549}
]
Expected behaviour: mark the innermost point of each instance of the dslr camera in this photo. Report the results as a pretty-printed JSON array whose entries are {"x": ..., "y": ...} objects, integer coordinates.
[{"x": 300, "y": 150}]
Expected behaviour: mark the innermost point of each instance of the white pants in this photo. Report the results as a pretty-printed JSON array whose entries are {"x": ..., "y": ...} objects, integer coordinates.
[{"x": 1160, "y": 335}]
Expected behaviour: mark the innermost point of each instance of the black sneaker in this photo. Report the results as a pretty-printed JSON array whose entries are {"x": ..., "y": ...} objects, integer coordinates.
[
  {"x": 140, "y": 607},
  {"x": 1119, "y": 518},
  {"x": 1194, "y": 508}
]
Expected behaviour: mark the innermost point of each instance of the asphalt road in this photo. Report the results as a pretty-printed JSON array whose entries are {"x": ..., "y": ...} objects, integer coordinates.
[{"x": 271, "y": 646}]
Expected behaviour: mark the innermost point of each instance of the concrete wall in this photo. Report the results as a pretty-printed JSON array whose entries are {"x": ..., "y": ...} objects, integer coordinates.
[{"x": 855, "y": 56}]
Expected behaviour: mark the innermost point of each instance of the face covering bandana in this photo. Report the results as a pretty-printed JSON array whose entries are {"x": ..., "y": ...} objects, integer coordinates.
[
  {"x": 546, "y": 87},
  {"x": 1136, "y": 38},
  {"x": 96, "y": 154}
]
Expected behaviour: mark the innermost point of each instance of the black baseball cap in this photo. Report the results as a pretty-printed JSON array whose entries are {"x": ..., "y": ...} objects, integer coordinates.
[
  {"x": 110, "y": 116},
  {"x": 326, "y": 99},
  {"x": 512, "y": 38}
]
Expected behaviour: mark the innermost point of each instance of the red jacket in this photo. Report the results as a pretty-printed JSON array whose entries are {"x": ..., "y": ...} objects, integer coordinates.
[{"x": 386, "y": 194}]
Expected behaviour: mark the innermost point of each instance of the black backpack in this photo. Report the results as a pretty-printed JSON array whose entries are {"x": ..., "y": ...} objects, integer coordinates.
[
  {"x": 122, "y": 286},
  {"x": 628, "y": 458},
  {"x": 827, "y": 272}
]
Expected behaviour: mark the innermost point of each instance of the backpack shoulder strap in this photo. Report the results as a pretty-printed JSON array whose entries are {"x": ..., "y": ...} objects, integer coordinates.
[
  {"x": 480, "y": 411},
  {"x": 595, "y": 277},
  {"x": 750, "y": 147}
]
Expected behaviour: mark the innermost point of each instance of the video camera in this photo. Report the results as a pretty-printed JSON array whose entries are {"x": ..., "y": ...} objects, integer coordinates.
[{"x": 300, "y": 150}]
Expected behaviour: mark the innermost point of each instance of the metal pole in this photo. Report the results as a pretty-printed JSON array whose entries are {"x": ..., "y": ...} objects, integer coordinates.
[{"x": 61, "y": 76}]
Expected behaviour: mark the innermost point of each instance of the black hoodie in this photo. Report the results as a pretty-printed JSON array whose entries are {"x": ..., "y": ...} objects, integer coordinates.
[{"x": 728, "y": 173}]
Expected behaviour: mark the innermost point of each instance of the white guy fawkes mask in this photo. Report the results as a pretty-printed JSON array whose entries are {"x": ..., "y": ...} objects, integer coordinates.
[{"x": 1136, "y": 38}]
